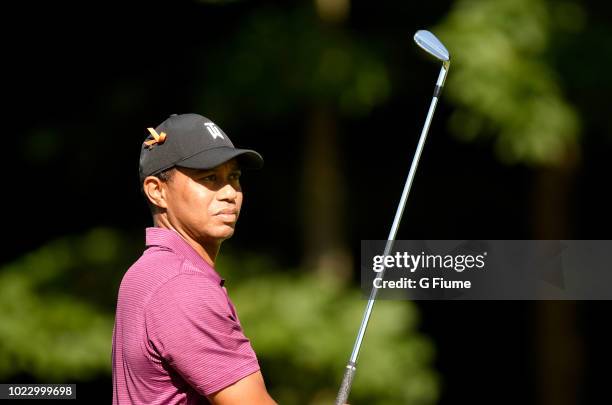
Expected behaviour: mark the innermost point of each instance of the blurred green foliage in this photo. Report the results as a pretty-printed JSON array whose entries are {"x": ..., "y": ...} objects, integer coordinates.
[
  {"x": 52, "y": 323},
  {"x": 500, "y": 81},
  {"x": 303, "y": 326},
  {"x": 57, "y": 306},
  {"x": 283, "y": 61}
]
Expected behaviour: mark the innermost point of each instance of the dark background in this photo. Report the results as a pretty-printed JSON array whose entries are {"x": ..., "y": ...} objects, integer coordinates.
[{"x": 98, "y": 76}]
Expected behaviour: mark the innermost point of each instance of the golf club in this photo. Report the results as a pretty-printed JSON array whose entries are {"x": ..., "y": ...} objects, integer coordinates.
[{"x": 428, "y": 42}]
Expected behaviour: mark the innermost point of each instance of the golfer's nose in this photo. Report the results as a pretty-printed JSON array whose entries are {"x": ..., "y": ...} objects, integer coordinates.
[{"x": 227, "y": 192}]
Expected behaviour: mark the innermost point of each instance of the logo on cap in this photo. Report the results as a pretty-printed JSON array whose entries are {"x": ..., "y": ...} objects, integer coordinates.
[{"x": 213, "y": 130}]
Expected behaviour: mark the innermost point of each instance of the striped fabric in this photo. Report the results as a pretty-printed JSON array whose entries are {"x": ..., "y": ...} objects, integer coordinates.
[{"x": 177, "y": 337}]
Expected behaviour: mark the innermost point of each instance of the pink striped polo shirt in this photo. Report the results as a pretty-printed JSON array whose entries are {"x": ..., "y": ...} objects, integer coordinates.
[{"x": 177, "y": 337}]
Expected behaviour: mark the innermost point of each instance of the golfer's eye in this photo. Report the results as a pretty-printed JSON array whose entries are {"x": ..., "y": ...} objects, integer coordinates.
[
  {"x": 235, "y": 176},
  {"x": 210, "y": 177}
]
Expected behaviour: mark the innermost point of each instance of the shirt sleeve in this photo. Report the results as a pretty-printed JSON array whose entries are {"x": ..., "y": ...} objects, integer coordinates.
[{"x": 190, "y": 324}]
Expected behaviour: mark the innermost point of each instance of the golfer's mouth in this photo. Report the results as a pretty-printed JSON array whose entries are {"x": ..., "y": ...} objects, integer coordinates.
[{"x": 227, "y": 215}]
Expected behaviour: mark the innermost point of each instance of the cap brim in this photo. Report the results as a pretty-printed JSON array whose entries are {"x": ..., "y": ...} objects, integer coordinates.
[{"x": 248, "y": 159}]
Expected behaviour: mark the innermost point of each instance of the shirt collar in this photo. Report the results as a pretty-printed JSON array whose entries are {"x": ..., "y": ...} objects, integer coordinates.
[{"x": 172, "y": 240}]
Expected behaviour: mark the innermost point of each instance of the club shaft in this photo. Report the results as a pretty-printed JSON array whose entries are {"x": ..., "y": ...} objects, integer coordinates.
[
  {"x": 352, "y": 364},
  {"x": 398, "y": 214},
  {"x": 393, "y": 231}
]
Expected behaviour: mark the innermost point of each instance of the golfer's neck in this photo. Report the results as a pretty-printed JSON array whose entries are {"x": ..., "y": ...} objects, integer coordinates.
[{"x": 208, "y": 250}]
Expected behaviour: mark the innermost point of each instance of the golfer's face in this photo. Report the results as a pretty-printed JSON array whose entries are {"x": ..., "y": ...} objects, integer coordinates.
[{"x": 206, "y": 202}]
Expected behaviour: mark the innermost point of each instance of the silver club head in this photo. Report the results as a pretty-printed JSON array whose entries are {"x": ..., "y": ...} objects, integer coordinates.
[{"x": 432, "y": 45}]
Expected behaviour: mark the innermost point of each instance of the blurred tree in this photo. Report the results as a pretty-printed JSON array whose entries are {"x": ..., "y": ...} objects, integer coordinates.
[{"x": 503, "y": 86}]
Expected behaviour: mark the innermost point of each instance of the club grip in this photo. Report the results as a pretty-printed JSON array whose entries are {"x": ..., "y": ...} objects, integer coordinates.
[{"x": 347, "y": 381}]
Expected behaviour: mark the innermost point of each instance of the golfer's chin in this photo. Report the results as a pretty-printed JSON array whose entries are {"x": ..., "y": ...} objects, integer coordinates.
[{"x": 223, "y": 231}]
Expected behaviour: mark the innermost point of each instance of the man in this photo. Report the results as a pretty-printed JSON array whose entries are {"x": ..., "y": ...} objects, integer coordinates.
[{"x": 177, "y": 338}]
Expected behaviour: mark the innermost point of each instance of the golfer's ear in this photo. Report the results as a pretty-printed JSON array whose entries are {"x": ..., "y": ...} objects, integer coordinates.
[{"x": 155, "y": 191}]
